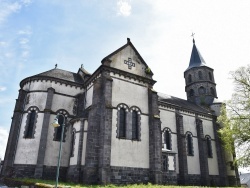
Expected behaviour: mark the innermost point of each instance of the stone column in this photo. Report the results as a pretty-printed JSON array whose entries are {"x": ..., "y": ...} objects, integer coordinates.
[
  {"x": 10, "y": 152},
  {"x": 155, "y": 138},
  {"x": 98, "y": 149},
  {"x": 44, "y": 133},
  {"x": 182, "y": 150},
  {"x": 105, "y": 130},
  {"x": 203, "y": 155}
]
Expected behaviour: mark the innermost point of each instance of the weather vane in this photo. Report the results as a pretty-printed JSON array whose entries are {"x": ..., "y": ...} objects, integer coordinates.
[
  {"x": 55, "y": 66},
  {"x": 81, "y": 65}
]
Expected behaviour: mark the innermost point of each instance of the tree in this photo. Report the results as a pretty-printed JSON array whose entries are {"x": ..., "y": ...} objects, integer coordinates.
[{"x": 235, "y": 132}]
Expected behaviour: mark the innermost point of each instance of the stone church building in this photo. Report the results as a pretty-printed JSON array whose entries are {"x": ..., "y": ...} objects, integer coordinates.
[{"x": 118, "y": 129}]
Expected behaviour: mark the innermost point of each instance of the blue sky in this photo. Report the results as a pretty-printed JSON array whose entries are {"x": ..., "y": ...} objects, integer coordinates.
[{"x": 36, "y": 35}]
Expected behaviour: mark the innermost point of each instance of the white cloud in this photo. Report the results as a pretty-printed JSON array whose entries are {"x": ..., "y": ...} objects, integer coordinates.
[
  {"x": 25, "y": 54},
  {"x": 26, "y": 2},
  {"x": 8, "y": 8},
  {"x": 27, "y": 31},
  {"x": 23, "y": 41},
  {"x": 124, "y": 7},
  {"x": 3, "y": 141},
  {"x": 2, "y": 88}
]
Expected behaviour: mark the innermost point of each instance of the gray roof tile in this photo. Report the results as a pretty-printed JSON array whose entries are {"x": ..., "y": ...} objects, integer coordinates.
[
  {"x": 196, "y": 60},
  {"x": 184, "y": 104},
  {"x": 62, "y": 74}
]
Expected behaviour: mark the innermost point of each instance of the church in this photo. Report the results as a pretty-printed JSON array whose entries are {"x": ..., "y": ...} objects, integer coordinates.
[{"x": 114, "y": 136}]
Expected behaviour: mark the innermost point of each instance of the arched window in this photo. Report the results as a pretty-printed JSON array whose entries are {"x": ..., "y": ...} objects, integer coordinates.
[
  {"x": 190, "y": 149},
  {"x": 135, "y": 126},
  {"x": 200, "y": 75},
  {"x": 209, "y": 146},
  {"x": 202, "y": 90},
  {"x": 62, "y": 121},
  {"x": 122, "y": 123},
  {"x": 59, "y": 129},
  {"x": 29, "y": 133},
  {"x": 189, "y": 78},
  {"x": 167, "y": 140},
  {"x": 210, "y": 76},
  {"x": 191, "y": 93},
  {"x": 212, "y": 91}
]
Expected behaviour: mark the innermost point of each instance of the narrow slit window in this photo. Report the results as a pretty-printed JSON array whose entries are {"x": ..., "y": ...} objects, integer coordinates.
[
  {"x": 190, "y": 150},
  {"x": 167, "y": 136},
  {"x": 209, "y": 147},
  {"x": 31, "y": 124},
  {"x": 59, "y": 129},
  {"x": 122, "y": 123}
]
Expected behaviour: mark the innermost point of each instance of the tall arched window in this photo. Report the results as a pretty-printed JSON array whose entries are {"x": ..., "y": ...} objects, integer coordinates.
[
  {"x": 122, "y": 123},
  {"x": 167, "y": 139},
  {"x": 209, "y": 146},
  {"x": 59, "y": 129},
  {"x": 189, "y": 78},
  {"x": 190, "y": 149},
  {"x": 200, "y": 75},
  {"x": 31, "y": 124},
  {"x": 135, "y": 126}
]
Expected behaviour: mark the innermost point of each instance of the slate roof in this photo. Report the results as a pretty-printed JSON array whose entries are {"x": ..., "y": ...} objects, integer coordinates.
[
  {"x": 196, "y": 60},
  {"x": 183, "y": 104},
  {"x": 61, "y": 74}
]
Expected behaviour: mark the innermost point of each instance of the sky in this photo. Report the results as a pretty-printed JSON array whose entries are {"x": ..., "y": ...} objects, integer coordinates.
[{"x": 37, "y": 34}]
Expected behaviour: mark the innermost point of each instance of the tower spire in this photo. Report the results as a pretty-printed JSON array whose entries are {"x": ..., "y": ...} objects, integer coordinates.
[{"x": 200, "y": 84}]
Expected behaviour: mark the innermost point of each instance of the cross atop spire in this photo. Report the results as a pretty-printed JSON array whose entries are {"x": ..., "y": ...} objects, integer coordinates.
[{"x": 193, "y": 37}]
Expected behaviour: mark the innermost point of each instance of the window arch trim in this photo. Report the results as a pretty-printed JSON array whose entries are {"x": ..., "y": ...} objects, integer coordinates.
[
  {"x": 132, "y": 125},
  {"x": 209, "y": 146},
  {"x": 31, "y": 120},
  {"x": 190, "y": 145},
  {"x": 57, "y": 130},
  {"x": 167, "y": 138},
  {"x": 121, "y": 131},
  {"x": 135, "y": 126}
]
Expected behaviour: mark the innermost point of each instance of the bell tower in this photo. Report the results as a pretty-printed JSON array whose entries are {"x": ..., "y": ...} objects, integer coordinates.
[{"x": 200, "y": 85}]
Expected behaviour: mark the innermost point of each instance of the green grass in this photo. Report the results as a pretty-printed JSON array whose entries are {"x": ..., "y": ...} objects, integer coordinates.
[{"x": 51, "y": 183}]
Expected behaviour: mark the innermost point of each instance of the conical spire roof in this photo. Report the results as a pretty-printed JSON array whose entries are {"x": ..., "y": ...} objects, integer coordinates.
[{"x": 196, "y": 60}]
